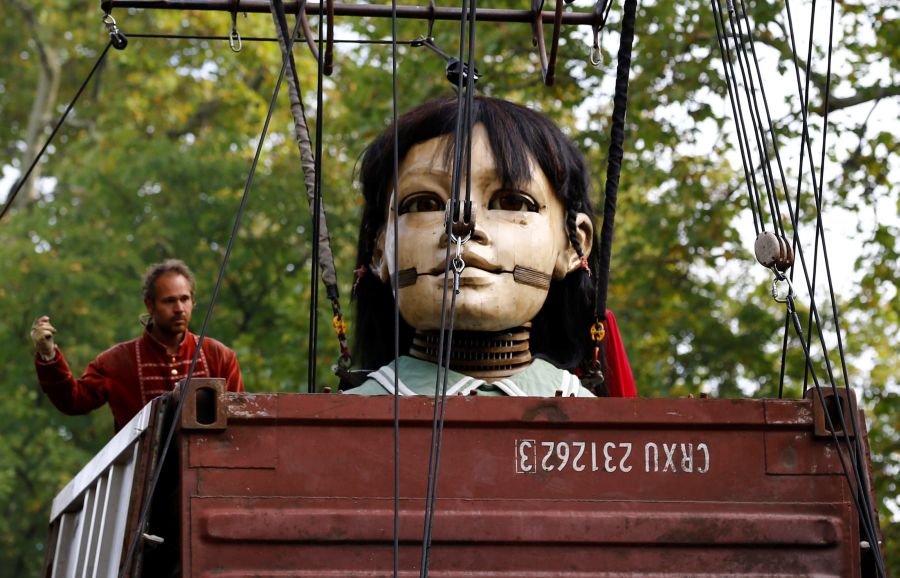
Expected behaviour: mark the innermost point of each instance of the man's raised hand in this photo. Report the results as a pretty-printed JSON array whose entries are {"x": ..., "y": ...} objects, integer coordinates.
[{"x": 42, "y": 335}]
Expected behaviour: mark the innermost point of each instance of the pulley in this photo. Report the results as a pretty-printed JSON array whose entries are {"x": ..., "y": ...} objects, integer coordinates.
[
  {"x": 773, "y": 251},
  {"x": 454, "y": 70},
  {"x": 118, "y": 39}
]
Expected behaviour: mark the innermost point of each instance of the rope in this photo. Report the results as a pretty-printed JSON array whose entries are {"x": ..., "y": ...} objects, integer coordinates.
[
  {"x": 860, "y": 496},
  {"x": 24, "y": 178},
  {"x": 395, "y": 280},
  {"x": 794, "y": 215},
  {"x": 856, "y": 451},
  {"x": 317, "y": 210},
  {"x": 752, "y": 96},
  {"x": 151, "y": 487},
  {"x": 455, "y": 214},
  {"x": 803, "y": 141},
  {"x": 737, "y": 112},
  {"x": 614, "y": 160},
  {"x": 310, "y": 172}
]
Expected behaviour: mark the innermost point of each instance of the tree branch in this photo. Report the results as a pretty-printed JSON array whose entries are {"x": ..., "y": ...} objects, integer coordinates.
[
  {"x": 820, "y": 81},
  {"x": 205, "y": 112}
]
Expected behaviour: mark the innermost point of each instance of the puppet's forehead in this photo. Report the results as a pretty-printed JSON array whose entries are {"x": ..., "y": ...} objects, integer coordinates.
[{"x": 436, "y": 156}]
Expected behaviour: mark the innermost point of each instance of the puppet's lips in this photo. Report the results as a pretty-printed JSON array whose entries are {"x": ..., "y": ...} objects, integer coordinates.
[
  {"x": 473, "y": 263},
  {"x": 471, "y": 277}
]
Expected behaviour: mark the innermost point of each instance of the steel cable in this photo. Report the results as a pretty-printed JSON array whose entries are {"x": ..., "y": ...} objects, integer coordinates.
[
  {"x": 151, "y": 487},
  {"x": 24, "y": 178},
  {"x": 462, "y": 151},
  {"x": 861, "y": 500},
  {"x": 737, "y": 112},
  {"x": 395, "y": 281}
]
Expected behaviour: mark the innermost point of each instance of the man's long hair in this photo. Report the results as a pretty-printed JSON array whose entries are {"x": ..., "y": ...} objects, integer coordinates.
[{"x": 560, "y": 331}]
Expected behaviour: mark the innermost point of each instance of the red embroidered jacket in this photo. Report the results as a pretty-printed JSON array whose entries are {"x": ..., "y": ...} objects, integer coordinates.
[{"x": 128, "y": 375}]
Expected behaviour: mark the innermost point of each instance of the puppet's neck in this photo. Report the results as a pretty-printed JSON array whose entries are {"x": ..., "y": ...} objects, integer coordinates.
[{"x": 479, "y": 354}]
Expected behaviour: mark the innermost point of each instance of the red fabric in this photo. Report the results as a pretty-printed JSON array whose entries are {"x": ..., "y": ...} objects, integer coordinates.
[
  {"x": 620, "y": 382},
  {"x": 128, "y": 375}
]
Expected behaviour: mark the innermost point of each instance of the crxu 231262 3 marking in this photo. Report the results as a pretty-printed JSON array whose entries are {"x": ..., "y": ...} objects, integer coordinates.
[{"x": 534, "y": 456}]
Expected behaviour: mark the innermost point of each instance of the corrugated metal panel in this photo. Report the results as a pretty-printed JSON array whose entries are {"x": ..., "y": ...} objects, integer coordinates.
[{"x": 303, "y": 486}]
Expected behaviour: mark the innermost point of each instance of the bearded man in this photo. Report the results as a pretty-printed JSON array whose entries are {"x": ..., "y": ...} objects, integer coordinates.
[{"x": 129, "y": 375}]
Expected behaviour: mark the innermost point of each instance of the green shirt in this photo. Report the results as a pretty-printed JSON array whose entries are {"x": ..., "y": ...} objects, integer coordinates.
[{"x": 417, "y": 377}]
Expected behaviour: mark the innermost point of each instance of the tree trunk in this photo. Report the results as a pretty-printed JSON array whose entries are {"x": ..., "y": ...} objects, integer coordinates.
[{"x": 42, "y": 107}]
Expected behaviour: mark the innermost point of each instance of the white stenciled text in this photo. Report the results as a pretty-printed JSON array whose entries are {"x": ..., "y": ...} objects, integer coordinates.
[{"x": 544, "y": 456}]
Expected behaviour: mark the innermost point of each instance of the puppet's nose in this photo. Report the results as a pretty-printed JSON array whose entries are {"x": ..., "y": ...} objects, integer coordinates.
[
  {"x": 467, "y": 225},
  {"x": 479, "y": 218}
]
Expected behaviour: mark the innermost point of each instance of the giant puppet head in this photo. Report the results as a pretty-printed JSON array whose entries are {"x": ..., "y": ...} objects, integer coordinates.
[{"x": 533, "y": 224}]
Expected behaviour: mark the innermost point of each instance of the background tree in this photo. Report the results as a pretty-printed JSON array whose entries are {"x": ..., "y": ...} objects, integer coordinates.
[{"x": 153, "y": 162}]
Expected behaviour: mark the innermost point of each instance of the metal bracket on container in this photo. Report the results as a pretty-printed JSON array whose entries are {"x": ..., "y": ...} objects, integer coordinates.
[
  {"x": 847, "y": 401},
  {"x": 204, "y": 404}
]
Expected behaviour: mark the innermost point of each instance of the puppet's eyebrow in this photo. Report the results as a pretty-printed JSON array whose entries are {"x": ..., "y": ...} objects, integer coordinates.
[{"x": 429, "y": 170}]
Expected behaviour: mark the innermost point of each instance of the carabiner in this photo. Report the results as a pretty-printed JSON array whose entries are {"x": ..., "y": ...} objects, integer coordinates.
[{"x": 234, "y": 38}]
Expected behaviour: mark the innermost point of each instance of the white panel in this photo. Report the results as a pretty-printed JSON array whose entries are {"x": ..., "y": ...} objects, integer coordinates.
[
  {"x": 118, "y": 538},
  {"x": 83, "y": 535},
  {"x": 101, "y": 544},
  {"x": 92, "y": 510},
  {"x": 68, "y": 497},
  {"x": 65, "y": 543},
  {"x": 120, "y": 480},
  {"x": 93, "y": 535}
]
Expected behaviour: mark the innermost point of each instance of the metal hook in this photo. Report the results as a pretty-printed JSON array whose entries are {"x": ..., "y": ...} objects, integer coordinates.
[
  {"x": 234, "y": 38},
  {"x": 595, "y": 49},
  {"x": 313, "y": 43},
  {"x": 431, "y": 11},
  {"x": 119, "y": 40},
  {"x": 459, "y": 265},
  {"x": 779, "y": 293},
  {"x": 600, "y": 13}
]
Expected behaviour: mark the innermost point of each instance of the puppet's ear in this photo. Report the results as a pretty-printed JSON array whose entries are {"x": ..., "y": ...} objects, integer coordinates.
[
  {"x": 379, "y": 263},
  {"x": 568, "y": 260}
]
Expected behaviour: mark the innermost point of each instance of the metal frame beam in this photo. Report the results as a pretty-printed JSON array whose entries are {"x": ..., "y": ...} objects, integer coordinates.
[{"x": 359, "y": 10}]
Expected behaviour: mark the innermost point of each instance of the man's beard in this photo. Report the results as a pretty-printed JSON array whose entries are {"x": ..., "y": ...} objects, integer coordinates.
[{"x": 172, "y": 328}]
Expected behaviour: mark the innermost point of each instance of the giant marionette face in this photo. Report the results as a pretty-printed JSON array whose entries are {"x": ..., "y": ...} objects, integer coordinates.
[{"x": 520, "y": 241}]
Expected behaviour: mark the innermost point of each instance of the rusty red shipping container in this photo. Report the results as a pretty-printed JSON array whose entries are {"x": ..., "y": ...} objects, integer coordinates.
[{"x": 288, "y": 485}]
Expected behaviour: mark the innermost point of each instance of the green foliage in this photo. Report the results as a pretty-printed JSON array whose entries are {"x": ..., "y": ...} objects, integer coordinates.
[{"x": 154, "y": 160}]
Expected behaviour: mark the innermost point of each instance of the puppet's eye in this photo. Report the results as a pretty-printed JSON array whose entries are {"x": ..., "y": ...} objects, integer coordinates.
[
  {"x": 423, "y": 202},
  {"x": 513, "y": 201}
]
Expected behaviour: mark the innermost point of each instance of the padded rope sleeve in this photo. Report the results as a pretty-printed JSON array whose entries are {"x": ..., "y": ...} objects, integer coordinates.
[
  {"x": 614, "y": 162},
  {"x": 304, "y": 144}
]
